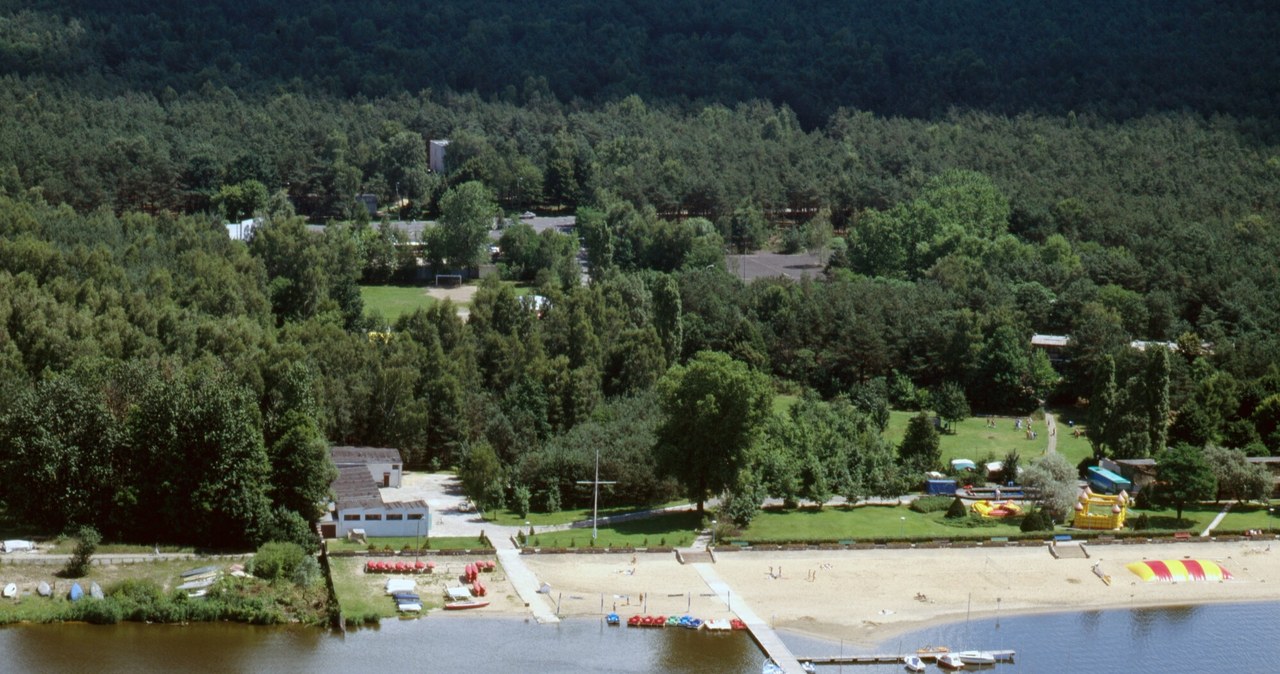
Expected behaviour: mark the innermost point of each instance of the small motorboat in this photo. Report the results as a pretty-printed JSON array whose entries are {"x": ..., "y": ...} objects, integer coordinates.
[
  {"x": 76, "y": 593},
  {"x": 95, "y": 591},
  {"x": 950, "y": 661},
  {"x": 976, "y": 657},
  {"x": 44, "y": 590},
  {"x": 11, "y": 590},
  {"x": 913, "y": 663},
  {"x": 612, "y": 619},
  {"x": 808, "y": 667}
]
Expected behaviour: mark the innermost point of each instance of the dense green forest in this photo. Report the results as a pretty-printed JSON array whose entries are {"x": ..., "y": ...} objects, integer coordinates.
[
  {"x": 915, "y": 59},
  {"x": 969, "y": 174}
]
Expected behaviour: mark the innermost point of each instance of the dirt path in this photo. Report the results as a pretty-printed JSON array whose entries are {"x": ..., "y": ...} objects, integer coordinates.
[{"x": 461, "y": 297}]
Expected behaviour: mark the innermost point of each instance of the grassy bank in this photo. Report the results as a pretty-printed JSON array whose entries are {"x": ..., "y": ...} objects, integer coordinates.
[
  {"x": 672, "y": 529},
  {"x": 145, "y": 592},
  {"x": 509, "y": 518}
]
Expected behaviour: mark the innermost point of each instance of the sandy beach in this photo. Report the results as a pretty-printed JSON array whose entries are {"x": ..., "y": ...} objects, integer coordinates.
[{"x": 867, "y": 596}]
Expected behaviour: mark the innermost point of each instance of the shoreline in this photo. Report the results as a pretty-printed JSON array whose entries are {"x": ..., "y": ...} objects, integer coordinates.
[{"x": 866, "y": 597}]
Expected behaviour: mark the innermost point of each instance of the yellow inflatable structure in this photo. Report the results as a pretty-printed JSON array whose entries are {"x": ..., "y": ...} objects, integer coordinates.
[
  {"x": 1101, "y": 511},
  {"x": 989, "y": 509}
]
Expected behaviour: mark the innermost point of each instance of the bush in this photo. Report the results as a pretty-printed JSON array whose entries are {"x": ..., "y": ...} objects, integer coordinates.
[
  {"x": 1036, "y": 520},
  {"x": 284, "y": 561},
  {"x": 957, "y": 510},
  {"x": 931, "y": 504},
  {"x": 1142, "y": 523},
  {"x": 87, "y": 539}
]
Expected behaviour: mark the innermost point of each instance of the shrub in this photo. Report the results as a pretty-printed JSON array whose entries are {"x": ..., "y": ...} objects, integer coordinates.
[
  {"x": 284, "y": 561},
  {"x": 1036, "y": 520},
  {"x": 931, "y": 504},
  {"x": 87, "y": 539},
  {"x": 520, "y": 500},
  {"x": 957, "y": 510},
  {"x": 1142, "y": 523}
]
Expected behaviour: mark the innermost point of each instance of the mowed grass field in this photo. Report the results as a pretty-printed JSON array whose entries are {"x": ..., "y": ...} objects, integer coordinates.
[
  {"x": 973, "y": 439},
  {"x": 391, "y": 302},
  {"x": 868, "y": 523}
]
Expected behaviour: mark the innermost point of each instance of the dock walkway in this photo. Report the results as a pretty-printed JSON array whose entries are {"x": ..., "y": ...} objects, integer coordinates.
[
  {"x": 526, "y": 585},
  {"x": 759, "y": 629}
]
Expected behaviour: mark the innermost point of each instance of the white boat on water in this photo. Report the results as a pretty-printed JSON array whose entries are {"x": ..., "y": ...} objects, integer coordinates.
[
  {"x": 977, "y": 657},
  {"x": 913, "y": 663},
  {"x": 950, "y": 661}
]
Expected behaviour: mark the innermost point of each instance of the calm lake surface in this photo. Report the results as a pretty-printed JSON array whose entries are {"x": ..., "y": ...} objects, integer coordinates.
[{"x": 1189, "y": 639}]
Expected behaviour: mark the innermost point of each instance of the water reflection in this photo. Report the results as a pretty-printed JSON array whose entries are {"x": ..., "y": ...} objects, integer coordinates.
[{"x": 1188, "y": 639}]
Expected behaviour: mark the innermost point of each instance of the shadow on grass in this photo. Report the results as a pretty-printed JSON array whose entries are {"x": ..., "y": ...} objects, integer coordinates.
[{"x": 670, "y": 523}]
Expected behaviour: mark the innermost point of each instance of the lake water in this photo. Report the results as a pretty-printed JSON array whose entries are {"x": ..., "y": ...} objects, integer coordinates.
[
  {"x": 1134, "y": 641},
  {"x": 1188, "y": 639}
]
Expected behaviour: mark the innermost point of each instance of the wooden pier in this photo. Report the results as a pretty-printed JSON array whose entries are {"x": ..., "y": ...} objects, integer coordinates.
[{"x": 886, "y": 659}]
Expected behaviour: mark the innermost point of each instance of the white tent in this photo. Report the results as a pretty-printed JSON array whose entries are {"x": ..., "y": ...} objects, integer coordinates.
[{"x": 19, "y": 546}]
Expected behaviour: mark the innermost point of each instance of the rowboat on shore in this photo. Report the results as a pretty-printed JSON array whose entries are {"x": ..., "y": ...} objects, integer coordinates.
[{"x": 466, "y": 604}]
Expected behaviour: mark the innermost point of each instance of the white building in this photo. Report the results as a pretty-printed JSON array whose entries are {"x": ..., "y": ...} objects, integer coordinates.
[
  {"x": 383, "y": 463},
  {"x": 358, "y": 502},
  {"x": 241, "y": 231}
]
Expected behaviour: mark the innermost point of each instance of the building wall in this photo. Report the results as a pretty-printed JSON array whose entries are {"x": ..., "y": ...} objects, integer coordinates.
[
  {"x": 395, "y": 471},
  {"x": 383, "y": 526}
]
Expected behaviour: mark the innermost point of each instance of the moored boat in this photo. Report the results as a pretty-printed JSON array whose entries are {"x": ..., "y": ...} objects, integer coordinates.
[
  {"x": 76, "y": 593},
  {"x": 913, "y": 663},
  {"x": 95, "y": 591},
  {"x": 950, "y": 661},
  {"x": 976, "y": 657},
  {"x": 44, "y": 590},
  {"x": 612, "y": 619},
  {"x": 737, "y": 624},
  {"x": 634, "y": 621}
]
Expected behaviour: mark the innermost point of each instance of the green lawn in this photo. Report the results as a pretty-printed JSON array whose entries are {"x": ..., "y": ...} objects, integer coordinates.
[
  {"x": 359, "y": 594},
  {"x": 394, "y": 301},
  {"x": 673, "y": 529},
  {"x": 513, "y": 519},
  {"x": 972, "y": 439},
  {"x": 399, "y": 543},
  {"x": 865, "y": 523}
]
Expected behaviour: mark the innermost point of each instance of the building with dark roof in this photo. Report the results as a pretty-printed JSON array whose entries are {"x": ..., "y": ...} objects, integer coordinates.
[
  {"x": 382, "y": 463},
  {"x": 359, "y": 502}
]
